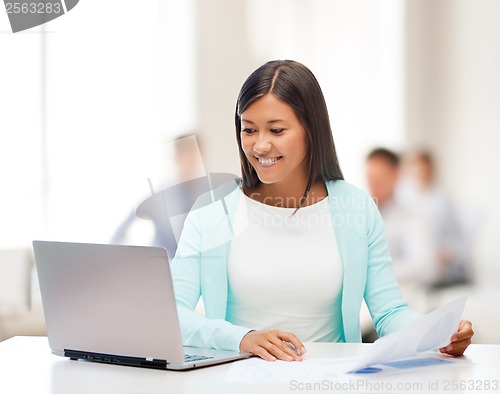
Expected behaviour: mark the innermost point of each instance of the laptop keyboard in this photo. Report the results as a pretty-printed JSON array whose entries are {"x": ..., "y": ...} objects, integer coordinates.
[{"x": 195, "y": 357}]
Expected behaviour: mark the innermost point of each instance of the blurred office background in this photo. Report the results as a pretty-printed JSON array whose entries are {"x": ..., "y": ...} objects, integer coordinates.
[{"x": 89, "y": 102}]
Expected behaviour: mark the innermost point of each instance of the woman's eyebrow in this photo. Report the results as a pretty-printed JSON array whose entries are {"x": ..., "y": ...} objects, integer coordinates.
[{"x": 268, "y": 122}]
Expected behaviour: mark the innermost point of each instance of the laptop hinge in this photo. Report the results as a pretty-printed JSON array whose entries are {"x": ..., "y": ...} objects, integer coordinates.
[{"x": 116, "y": 359}]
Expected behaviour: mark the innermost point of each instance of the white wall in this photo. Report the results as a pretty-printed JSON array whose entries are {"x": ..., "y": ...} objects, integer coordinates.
[
  {"x": 21, "y": 201},
  {"x": 87, "y": 103},
  {"x": 453, "y": 102},
  {"x": 354, "y": 48}
]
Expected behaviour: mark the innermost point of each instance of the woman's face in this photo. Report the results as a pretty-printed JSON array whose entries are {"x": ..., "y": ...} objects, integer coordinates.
[{"x": 273, "y": 140}]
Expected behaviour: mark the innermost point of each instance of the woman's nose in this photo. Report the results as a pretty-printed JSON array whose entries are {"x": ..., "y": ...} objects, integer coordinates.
[{"x": 262, "y": 145}]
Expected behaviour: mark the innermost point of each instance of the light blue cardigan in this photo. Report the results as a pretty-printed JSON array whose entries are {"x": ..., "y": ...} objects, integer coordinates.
[{"x": 199, "y": 268}]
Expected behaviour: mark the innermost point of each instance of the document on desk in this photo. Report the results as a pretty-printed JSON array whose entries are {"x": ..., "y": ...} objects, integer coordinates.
[
  {"x": 256, "y": 370},
  {"x": 430, "y": 332},
  {"x": 398, "y": 352},
  {"x": 315, "y": 369}
]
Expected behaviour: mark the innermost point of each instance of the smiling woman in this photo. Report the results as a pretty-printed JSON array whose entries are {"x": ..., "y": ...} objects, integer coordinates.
[
  {"x": 294, "y": 249},
  {"x": 274, "y": 143},
  {"x": 281, "y": 106}
]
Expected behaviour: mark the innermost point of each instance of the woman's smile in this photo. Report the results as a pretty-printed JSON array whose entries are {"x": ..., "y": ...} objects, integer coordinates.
[{"x": 266, "y": 162}]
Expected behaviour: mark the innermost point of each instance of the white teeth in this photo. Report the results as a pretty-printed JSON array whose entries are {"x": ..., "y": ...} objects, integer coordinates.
[{"x": 268, "y": 160}]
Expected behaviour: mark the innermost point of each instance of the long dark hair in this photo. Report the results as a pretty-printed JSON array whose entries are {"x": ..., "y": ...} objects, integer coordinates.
[{"x": 294, "y": 84}]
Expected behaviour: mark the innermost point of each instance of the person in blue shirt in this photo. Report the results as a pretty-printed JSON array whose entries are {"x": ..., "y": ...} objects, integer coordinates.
[{"x": 286, "y": 254}]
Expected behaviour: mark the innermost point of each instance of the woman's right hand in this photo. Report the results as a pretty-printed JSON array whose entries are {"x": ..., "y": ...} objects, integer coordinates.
[{"x": 272, "y": 345}]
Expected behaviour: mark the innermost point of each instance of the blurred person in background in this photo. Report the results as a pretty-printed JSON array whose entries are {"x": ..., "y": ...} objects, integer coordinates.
[
  {"x": 408, "y": 236},
  {"x": 420, "y": 193},
  {"x": 188, "y": 158},
  {"x": 188, "y": 166}
]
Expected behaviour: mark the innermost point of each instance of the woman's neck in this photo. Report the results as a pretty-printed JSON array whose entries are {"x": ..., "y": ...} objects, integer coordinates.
[{"x": 287, "y": 195}]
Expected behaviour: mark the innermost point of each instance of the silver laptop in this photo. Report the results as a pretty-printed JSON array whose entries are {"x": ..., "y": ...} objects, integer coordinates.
[{"x": 115, "y": 304}]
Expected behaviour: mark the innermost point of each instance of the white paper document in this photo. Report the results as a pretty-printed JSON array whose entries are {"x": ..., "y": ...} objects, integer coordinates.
[
  {"x": 430, "y": 332},
  {"x": 401, "y": 351},
  {"x": 315, "y": 369},
  {"x": 256, "y": 370}
]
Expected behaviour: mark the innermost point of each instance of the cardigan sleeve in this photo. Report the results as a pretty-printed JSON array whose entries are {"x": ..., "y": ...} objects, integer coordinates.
[
  {"x": 198, "y": 330},
  {"x": 388, "y": 309}
]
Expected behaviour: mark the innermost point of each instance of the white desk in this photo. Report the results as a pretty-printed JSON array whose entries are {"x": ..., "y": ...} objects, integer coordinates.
[{"x": 27, "y": 366}]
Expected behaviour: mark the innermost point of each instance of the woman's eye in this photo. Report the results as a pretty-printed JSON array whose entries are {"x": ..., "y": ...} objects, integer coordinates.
[
  {"x": 276, "y": 131},
  {"x": 248, "y": 131}
]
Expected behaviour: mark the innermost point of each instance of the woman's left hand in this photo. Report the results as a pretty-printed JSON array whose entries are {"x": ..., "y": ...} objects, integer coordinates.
[{"x": 460, "y": 340}]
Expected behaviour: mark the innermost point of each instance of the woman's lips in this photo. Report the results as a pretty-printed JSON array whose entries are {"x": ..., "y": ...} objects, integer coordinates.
[{"x": 266, "y": 162}]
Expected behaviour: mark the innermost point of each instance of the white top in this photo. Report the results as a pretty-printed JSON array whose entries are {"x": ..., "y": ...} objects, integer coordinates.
[
  {"x": 285, "y": 271},
  {"x": 410, "y": 244}
]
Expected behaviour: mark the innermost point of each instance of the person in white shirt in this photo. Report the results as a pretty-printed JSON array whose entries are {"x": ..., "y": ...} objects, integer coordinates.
[
  {"x": 419, "y": 192},
  {"x": 408, "y": 234}
]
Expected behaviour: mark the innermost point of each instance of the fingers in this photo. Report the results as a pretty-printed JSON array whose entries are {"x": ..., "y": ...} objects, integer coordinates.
[
  {"x": 464, "y": 331},
  {"x": 456, "y": 348},
  {"x": 460, "y": 340},
  {"x": 271, "y": 345},
  {"x": 279, "y": 349},
  {"x": 290, "y": 337},
  {"x": 264, "y": 354},
  {"x": 254, "y": 342}
]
